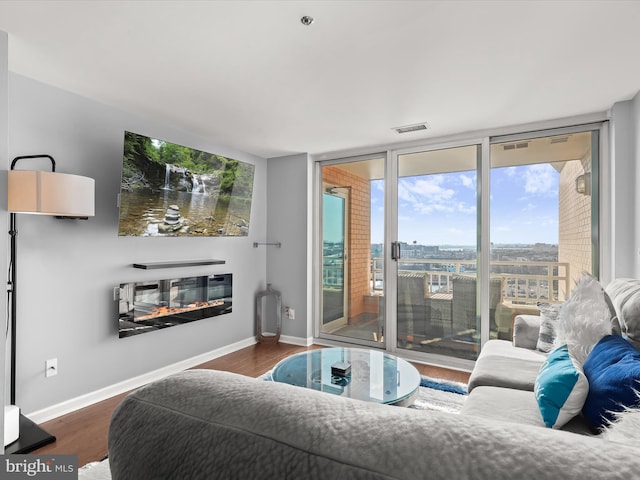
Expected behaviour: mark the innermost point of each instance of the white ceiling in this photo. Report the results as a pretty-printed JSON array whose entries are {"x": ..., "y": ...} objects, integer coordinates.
[{"x": 248, "y": 74}]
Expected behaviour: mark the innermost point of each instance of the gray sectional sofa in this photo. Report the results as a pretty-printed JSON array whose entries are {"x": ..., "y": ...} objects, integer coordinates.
[
  {"x": 204, "y": 424},
  {"x": 217, "y": 425},
  {"x": 501, "y": 386},
  {"x": 502, "y": 382}
]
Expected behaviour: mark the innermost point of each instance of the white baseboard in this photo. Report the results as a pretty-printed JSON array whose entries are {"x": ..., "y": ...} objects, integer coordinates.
[
  {"x": 71, "y": 405},
  {"x": 303, "y": 342},
  {"x": 82, "y": 401}
]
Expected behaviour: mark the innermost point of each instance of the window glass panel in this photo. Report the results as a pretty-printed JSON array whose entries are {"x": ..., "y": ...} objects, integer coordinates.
[
  {"x": 541, "y": 221},
  {"x": 437, "y": 310}
]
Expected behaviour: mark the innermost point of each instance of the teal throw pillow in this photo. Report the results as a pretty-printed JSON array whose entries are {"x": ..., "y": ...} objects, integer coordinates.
[{"x": 560, "y": 388}]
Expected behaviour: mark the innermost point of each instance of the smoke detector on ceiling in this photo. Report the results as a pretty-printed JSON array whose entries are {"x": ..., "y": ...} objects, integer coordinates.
[{"x": 411, "y": 128}]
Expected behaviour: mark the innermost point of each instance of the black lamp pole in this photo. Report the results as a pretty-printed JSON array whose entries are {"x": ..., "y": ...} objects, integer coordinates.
[
  {"x": 31, "y": 437},
  {"x": 12, "y": 289},
  {"x": 13, "y": 232}
]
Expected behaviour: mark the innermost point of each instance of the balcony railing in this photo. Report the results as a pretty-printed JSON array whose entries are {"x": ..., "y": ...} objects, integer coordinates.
[{"x": 522, "y": 282}]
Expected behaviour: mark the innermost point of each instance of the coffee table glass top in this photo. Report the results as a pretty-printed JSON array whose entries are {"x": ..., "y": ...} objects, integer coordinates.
[{"x": 375, "y": 376}]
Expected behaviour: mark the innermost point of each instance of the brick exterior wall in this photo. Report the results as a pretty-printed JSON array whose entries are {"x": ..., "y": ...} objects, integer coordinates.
[
  {"x": 574, "y": 222},
  {"x": 359, "y": 234}
]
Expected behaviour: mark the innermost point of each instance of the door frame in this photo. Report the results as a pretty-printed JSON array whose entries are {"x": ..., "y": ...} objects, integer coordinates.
[
  {"x": 596, "y": 121},
  {"x": 391, "y": 265},
  {"x": 319, "y": 186}
]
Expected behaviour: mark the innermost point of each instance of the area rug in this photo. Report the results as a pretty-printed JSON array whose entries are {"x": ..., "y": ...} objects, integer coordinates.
[
  {"x": 440, "y": 395},
  {"x": 434, "y": 394}
]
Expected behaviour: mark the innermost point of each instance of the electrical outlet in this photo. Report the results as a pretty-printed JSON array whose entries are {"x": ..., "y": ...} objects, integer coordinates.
[
  {"x": 51, "y": 367},
  {"x": 292, "y": 313}
]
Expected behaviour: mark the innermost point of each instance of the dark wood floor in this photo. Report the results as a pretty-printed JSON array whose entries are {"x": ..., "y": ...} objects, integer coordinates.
[{"x": 84, "y": 432}]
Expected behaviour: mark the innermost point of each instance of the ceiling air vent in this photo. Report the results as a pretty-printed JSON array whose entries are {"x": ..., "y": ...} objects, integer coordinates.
[
  {"x": 411, "y": 128},
  {"x": 559, "y": 139},
  {"x": 513, "y": 146}
]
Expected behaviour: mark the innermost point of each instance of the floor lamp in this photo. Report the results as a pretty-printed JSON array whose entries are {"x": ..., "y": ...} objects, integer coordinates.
[{"x": 41, "y": 193}]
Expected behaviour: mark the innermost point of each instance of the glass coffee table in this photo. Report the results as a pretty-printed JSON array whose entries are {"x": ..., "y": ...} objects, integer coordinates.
[{"x": 375, "y": 376}]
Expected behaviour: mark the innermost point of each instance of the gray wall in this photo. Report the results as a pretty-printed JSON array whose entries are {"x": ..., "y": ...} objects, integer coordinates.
[
  {"x": 4, "y": 166},
  {"x": 635, "y": 122},
  {"x": 289, "y": 222},
  {"x": 625, "y": 176},
  {"x": 68, "y": 269}
]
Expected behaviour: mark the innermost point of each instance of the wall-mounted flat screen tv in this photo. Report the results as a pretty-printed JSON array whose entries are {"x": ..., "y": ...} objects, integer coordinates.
[{"x": 168, "y": 190}]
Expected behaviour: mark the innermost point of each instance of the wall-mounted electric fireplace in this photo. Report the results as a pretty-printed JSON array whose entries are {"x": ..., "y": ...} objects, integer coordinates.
[{"x": 152, "y": 305}]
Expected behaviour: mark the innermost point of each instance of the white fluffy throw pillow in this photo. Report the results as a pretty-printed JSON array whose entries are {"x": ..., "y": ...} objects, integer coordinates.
[
  {"x": 625, "y": 427},
  {"x": 584, "y": 318}
]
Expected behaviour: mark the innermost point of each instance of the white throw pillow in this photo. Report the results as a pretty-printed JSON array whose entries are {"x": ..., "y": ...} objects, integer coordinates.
[
  {"x": 625, "y": 427},
  {"x": 548, "y": 320},
  {"x": 584, "y": 318}
]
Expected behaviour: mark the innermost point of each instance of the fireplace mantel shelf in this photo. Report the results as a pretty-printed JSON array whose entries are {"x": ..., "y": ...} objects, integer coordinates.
[{"x": 179, "y": 263}]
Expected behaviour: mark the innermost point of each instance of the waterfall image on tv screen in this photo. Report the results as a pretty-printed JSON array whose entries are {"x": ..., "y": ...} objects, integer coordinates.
[{"x": 169, "y": 190}]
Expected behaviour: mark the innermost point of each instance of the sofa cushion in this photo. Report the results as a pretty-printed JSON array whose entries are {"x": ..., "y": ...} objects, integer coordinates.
[
  {"x": 500, "y": 364},
  {"x": 517, "y": 406},
  {"x": 613, "y": 372},
  {"x": 526, "y": 331},
  {"x": 625, "y": 296},
  {"x": 561, "y": 388}
]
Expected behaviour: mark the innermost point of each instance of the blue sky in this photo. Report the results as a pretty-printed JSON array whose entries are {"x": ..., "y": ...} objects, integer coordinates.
[{"x": 440, "y": 209}]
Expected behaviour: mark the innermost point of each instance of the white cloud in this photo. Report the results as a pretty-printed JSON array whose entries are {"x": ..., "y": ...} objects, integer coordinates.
[
  {"x": 464, "y": 208},
  {"x": 541, "y": 178},
  {"x": 430, "y": 194},
  {"x": 430, "y": 188},
  {"x": 467, "y": 181}
]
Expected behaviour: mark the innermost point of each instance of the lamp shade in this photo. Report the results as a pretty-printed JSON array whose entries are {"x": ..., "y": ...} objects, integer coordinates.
[{"x": 51, "y": 193}]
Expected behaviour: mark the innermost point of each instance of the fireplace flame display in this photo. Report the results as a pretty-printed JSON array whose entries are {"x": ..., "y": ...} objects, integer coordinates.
[
  {"x": 154, "y": 305},
  {"x": 164, "y": 311}
]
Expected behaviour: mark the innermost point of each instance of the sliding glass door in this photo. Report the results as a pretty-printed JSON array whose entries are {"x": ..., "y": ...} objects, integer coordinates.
[
  {"x": 436, "y": 253},
  {"x": 352, "y": 301},
  {"x": 434, "y": 250}
]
